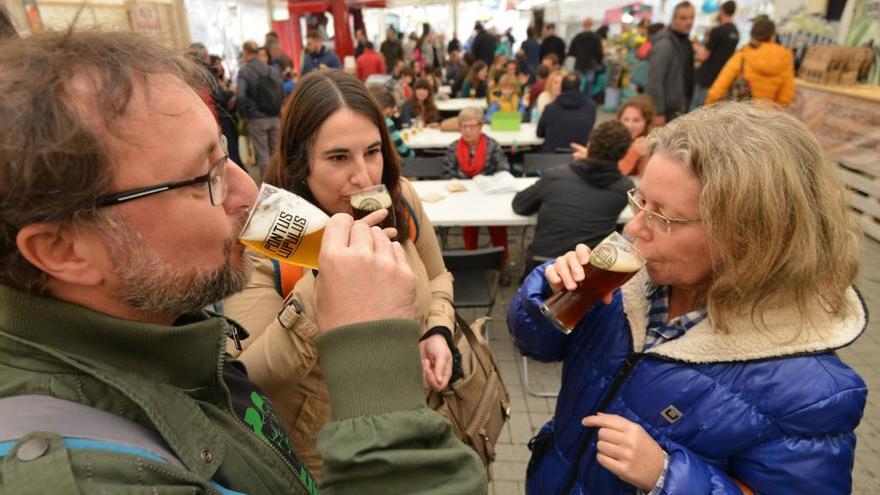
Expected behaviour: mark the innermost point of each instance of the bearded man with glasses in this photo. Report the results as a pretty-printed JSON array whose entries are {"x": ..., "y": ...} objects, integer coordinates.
[{"x": 120, "y": 222}]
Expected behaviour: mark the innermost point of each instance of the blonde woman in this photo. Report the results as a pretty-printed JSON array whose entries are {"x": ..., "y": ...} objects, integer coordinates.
[
  {"x": 714, "y": 369},
  {"x": 552, "y": 90}
]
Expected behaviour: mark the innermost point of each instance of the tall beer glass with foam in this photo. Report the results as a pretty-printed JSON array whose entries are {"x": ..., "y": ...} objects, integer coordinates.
[
  {"x": 612, "y": 263},
  {"x": 285, "y": 227}
]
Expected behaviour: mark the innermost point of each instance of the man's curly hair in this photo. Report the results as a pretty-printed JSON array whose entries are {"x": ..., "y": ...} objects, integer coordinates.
[{"x": 609, "y": 141}]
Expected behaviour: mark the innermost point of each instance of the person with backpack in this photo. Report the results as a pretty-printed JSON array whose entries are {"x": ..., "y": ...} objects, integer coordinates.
[
  {"x": 258, "y": 98},
  {"x": 762, "y": 70}
]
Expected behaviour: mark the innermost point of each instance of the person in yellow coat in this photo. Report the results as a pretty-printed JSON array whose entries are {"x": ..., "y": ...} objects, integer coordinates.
[{"x": 766, "y": 65}]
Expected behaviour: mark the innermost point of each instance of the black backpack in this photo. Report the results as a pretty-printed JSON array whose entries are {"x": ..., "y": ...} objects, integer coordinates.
[{"x": 268, "y": 94}]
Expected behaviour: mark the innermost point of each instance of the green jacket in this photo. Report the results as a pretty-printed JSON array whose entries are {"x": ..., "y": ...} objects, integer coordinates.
[{"x": 179, "y": 382}]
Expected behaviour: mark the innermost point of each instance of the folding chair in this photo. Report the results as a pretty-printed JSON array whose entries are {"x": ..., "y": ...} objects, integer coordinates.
[
  {"x": 423, "y": 167},
  {"x": 475, "y": 278},
  {"x": 533, "y": 260}
]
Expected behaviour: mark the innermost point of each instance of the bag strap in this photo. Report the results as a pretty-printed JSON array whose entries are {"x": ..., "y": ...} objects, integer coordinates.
[
  {"x": 83, "y": 428},
  {"x": 286, "y": 276},
  {"x": 477, "y": 347},
  {"x": 73, "y": 420}
]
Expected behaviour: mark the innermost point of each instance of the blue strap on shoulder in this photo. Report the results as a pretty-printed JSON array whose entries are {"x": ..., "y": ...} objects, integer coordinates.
[{"x": 83, "y": 428}]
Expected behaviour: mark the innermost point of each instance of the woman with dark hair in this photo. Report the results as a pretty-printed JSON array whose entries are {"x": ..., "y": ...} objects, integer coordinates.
[
  {"x": 334, "y": 142},
  {"x": 421, "y": 106},
  {"x": 476, "y": 84}
]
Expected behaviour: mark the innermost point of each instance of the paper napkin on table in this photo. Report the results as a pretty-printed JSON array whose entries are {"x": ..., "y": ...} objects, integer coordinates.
[
  {"x": 431, "y": 197},
  {"x": 455, "y": 186},
  {"x": 498, "y": 183}
]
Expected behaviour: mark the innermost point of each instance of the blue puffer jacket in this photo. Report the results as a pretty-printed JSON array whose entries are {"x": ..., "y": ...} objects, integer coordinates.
[{"x": 774, "y": 409}]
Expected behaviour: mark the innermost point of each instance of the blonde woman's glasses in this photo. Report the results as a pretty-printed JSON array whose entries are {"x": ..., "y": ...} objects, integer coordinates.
[{"x": 655, "y": 221}]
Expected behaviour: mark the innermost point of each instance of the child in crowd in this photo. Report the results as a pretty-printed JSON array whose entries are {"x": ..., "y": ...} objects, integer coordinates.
[{"x": 505, "y": 98}]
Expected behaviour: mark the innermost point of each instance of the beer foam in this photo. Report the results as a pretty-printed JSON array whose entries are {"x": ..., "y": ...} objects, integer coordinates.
[
  {"x": 371, "y": 199},
  {"x": 616, "y": 254},
  {"x": 274, "y": 200},
  {"x": 627, "y": 262}
]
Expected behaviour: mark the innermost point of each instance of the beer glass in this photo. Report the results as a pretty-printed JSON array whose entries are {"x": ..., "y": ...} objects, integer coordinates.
[
  {"x": 373, "y": 198},
  {"x": 285, "y": 227},
  {"x": 612, "y": 263}
]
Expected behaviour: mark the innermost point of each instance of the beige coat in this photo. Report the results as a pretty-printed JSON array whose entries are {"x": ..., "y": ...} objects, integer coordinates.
[{"x": 280, "y": 354}]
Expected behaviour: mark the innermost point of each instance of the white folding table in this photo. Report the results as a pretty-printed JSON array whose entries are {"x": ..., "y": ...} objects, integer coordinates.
[
  {"x": 427, "y": 138},
  {"x": 474, "y": 208}
]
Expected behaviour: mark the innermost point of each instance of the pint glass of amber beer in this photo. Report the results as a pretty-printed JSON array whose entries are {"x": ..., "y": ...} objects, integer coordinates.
[
  {"x": 373, "y": 198},
  {"x": 612, "y": 263},
  {"x": 285, "y": 227}
]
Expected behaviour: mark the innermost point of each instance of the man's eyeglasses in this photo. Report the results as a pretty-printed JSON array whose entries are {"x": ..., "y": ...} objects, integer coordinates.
[
  {"x": 655, "y": 221},
  {"x": 215, "y": 179}
]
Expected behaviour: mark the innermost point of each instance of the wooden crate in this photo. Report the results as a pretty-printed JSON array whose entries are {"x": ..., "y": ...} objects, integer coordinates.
[
  {"x": 832, "y": 64},
  {"x": 863, "y": 196},
  {"x": 846, "y": 121}
]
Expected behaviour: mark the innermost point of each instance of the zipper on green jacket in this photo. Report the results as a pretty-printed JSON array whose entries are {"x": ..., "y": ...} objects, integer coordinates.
[{"x": 301, "y": 472}]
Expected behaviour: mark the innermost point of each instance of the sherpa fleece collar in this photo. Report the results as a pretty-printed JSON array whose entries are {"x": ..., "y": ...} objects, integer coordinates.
[{"x": 786, "y": 333}]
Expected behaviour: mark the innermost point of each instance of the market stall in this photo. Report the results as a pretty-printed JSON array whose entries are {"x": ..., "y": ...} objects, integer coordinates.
[{"x": 846, "y": 119}]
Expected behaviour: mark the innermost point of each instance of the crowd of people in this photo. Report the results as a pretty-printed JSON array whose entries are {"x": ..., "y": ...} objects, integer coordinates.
[{"x": 713, "y": 370}]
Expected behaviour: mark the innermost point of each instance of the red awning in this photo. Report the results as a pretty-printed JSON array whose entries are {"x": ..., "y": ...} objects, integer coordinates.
[
  {"x": 318, "y": 6},
  {"x": 343, "y": 42}
]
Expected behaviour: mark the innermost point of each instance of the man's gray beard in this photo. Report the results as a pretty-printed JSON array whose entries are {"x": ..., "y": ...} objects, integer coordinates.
[{"x": 151, "y": 285}]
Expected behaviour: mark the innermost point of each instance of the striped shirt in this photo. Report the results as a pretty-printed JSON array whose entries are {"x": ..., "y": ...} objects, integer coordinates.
[
  {"x": 659, "y": 331},
  {"x": 402, "y": 149}
]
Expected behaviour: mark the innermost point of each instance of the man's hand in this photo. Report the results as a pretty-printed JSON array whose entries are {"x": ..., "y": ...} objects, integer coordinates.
[
  {"x": 436, "y": 361},
  {"x": 363, "y": 275},
  {"x": 626, "y": 449},
  {"x": 580, "y": 152}
]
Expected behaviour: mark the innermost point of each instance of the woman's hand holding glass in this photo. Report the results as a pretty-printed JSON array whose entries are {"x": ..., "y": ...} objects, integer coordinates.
[{"x": 568, "y": 271}]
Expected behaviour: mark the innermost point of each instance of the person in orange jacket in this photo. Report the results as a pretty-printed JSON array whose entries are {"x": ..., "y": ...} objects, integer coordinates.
[{"x": 766, "y": 65}]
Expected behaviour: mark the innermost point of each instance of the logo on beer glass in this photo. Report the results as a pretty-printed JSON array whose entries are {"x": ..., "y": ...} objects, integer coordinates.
[
  {"x": 604, "y": 256},
  {"x": 285, "y": 235},
  {"x": 285, "y": 227},
  {"x": 612, "y": 263},
  {"x": 373, "y": 198}
]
